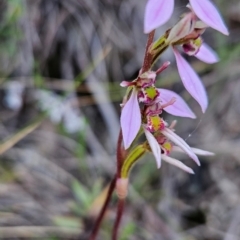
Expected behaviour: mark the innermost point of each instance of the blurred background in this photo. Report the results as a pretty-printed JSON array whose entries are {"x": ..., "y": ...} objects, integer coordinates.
[{"x": 61, "y": 62}]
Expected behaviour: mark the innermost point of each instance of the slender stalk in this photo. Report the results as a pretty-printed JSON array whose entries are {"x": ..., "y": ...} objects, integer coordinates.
[
  {"x": 147, "y": 62},
  {"x": 103, "y": 210},
  {"x": 119, "y": 153},
  {"x": 120, "y": 156},
  {"x": 118, "y": 218}
]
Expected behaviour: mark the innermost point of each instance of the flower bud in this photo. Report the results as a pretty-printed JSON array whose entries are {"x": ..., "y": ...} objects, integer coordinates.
[
  {"x": 183, "y": 28},
  {"x": 122, "y": 188}
]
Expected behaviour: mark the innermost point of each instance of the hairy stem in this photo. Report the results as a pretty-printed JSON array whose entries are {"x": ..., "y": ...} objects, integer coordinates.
[
  {"x": 148, "y": 57},
  {"x": 118, "y": 218},
  {"x": 103, "y": 210}
]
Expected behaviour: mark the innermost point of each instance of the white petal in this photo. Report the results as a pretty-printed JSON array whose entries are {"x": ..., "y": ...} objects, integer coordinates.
[
  {"x": 156, "y": 150},
  {"x": 195, "y": 150},
  {"x": 181, "y": 143},
  {"x": 202, "y": 152},
  {"x": 177, "y": 163}
]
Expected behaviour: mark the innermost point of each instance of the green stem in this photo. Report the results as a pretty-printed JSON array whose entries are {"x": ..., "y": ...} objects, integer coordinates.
[{"x": 131, "y": 159}]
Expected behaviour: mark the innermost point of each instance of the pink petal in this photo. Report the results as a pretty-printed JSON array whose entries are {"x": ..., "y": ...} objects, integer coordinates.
[
  {"x": 209, "y": 14},
  {"x": 206, "y": 54},
  {"x": 157, "y": 13},
  {"x": 130, "y": 119},
  {"x": 191, "y": 81},
  {"x": 177, "y": 163},
  {"x": 125, "y": 84},
  {"x": 179, "y": 108},
  {"x": 181, "y": 143},
  {"x": 156, "y": 150}
]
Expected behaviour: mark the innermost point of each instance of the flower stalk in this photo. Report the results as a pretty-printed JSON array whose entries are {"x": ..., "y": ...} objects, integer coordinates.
[
  {"x": 100, "y": 217},
  {"x": 147, "y": 62},
  {"x": 120, "y": 209}
]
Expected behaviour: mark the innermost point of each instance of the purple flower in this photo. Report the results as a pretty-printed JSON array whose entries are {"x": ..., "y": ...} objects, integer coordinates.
[
  {"x": 157, "y": 132},
  {"x": 158, "y": 12},
  {"x": 131, "y": 119}
]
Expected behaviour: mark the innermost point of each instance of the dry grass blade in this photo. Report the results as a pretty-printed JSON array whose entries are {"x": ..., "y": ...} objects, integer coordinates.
[
  {"x": 99, "y": 58},
  {"x": 38, "y": 232},
  {"x": 12, "y": 140},
  {"x": 98, "y": 202}
]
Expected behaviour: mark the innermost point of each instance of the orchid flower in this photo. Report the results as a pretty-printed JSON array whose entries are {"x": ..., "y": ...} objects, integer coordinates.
[
  {"x": 131, "y": 119},
  {"x": 144, "y": 102},
  {"x": 187, "y": 33},
  {"x": 158, "y": 12},
  {"x": 161, "y": 146},
  {"x": 156, "y": 130}
]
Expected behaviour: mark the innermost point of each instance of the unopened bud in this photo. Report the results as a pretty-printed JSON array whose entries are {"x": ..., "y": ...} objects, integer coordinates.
[
  {"x": 122, "y": 188},
  {"x": 183, "y": 28},
  {"x": 163, "y": 67}
]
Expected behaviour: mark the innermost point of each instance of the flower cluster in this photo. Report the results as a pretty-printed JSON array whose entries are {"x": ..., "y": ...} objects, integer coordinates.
[
  {"x": 144, "y": 103},
  {"x": 143, "y": 111}
]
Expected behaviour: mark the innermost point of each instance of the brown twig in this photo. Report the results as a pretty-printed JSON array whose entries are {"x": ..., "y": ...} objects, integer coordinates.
[
  {"x": 103, "y": 210},
  {"x": 118, "y": 218}
]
